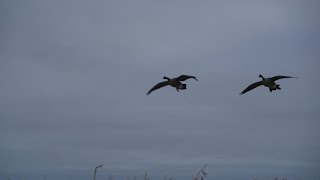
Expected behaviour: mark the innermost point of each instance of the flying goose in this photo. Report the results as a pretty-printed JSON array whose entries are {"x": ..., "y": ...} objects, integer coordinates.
[
  {"x": 267, "y": 82},
  {"x": 174, "y": 82}
]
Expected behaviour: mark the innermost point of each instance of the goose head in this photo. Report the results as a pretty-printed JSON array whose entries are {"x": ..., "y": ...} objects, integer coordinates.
[
  {"x": 165, "y": 77},
  {"x": 260, "y": 76}
]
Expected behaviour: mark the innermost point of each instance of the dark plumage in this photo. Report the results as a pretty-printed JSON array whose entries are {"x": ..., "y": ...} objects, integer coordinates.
[
  {"x": 267, "y": 82},
  {"x": 174, "y": 82}
]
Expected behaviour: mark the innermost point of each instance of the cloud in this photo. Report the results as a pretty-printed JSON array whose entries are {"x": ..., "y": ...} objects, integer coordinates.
[{"x": 74, "y": 76}]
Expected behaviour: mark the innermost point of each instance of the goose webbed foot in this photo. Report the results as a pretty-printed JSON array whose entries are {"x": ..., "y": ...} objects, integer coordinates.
[{"x": 278, "y": 87}]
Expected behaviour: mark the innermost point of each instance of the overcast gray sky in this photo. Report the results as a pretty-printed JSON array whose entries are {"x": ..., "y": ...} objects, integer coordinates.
[{"x": 73, "y": 78}]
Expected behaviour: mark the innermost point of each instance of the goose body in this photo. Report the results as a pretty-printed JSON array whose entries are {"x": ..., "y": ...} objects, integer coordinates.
[
  {"x": 174, "y": 82},
  {"x": 267, "y": 82}
]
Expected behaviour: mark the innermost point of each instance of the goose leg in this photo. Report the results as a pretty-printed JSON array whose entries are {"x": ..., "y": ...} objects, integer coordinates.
[{"x": 177, "y": 89}]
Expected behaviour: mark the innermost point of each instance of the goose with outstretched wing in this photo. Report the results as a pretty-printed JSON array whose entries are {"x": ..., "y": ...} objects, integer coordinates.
[
  {"x": 267, "y": 82},
  {"x": 174, "y": 82}
]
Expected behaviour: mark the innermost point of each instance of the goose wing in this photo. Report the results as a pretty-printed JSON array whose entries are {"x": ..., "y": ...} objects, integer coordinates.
[
  {"x": 280, "y": 77},
  {"x": 252, "y": 86},
  {"x": 158, "y": 86},
  {"x": 185, "y": 77}
]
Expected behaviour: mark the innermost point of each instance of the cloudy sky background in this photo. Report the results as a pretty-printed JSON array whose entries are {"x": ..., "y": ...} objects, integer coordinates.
[{"x": 73, "y": 78}]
